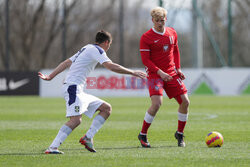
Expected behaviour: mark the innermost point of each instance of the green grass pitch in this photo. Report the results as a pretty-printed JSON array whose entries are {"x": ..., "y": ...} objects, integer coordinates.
[{"x": 29, "y": 124}]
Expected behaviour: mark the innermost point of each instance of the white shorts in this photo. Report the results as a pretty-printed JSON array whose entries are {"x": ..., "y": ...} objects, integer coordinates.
[{"x": 78, "y": 102}]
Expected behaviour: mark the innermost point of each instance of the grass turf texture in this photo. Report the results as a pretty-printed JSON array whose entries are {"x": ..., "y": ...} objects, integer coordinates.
[{"x": 29, "y": 124}]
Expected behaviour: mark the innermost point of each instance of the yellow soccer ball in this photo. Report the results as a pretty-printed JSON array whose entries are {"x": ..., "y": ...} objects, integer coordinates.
[{"x": 214, "y": 139}]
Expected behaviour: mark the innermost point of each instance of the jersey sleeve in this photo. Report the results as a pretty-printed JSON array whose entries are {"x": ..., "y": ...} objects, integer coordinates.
[
  {"x": 176, "y": 53},
  {"x": 100, "y": 57},
  {"x": 73, "y": 58},
  {"x": 104, "y": 58},
  {"x": 145, "y": 55}
]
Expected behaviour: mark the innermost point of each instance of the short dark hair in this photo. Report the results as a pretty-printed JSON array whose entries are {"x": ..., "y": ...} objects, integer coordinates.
[{"x": 102, "y": 36}]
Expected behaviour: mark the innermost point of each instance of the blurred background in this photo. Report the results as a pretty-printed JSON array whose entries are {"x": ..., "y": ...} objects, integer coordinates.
[{"x": 39, "y": 34}]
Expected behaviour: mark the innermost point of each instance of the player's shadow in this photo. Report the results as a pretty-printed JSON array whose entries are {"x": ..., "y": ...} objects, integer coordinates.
[
  {"x": 120, "y": 148},
  {"x": 101, "y": 148},
  {"x": 133, "y": 147},
  {"x": 21, "y": 154},
  {"x": 41, "y": 152}
]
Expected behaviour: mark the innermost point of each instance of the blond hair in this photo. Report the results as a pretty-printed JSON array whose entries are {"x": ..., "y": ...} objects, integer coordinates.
[{"x": 158, "y": 12}]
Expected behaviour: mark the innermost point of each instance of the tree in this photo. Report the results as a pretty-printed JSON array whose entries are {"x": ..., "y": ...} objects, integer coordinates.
[
  {"x": 215, "y": 12},
  {"x": 36, "y": 31}
]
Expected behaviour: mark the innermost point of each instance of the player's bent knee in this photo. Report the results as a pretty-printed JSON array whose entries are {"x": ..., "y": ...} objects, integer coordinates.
[
  {"x": 74, "y": 121},
  {"x": 78, "y": 121},
  {"x": 156, "y": 105},
  {"x": 185, "y": 103},
  {"x": 107, "y": 108}
]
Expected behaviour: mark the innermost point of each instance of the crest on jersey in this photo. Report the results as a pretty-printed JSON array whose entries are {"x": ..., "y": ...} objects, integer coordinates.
[
  {"x": 77, "y": 108},
  {"x": 165, "y": 48}
]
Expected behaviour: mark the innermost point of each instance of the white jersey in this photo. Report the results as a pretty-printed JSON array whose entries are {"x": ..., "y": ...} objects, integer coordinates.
[{"x": 83, "y": 62}]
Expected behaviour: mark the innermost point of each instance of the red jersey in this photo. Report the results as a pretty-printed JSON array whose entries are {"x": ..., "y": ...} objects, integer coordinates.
[{"x": 160, "y": 51}]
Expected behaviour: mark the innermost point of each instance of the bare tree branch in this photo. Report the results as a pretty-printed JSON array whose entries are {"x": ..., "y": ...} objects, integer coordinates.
[
  {"x": 33, "y": 25},
  {"x": 54, "y": 31},
  {"x": 242, "y": 8}
]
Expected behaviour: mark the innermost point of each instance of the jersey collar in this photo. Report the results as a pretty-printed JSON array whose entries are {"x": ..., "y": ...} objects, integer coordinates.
[{"x": 159, "y": 32}]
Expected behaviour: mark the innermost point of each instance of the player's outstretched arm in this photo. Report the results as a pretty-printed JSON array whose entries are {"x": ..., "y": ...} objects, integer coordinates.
[
  {"x": 122, "y": 70},
  {"x": 61, "y": 67}
]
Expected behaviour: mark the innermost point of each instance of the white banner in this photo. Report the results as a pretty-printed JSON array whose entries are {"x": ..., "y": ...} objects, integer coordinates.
[{"x": 102, "y": 82}]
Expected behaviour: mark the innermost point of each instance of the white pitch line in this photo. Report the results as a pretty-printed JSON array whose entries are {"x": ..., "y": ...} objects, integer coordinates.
[
  {"x": 211, "y": 116},
  {"x": 201, "y": 116}
]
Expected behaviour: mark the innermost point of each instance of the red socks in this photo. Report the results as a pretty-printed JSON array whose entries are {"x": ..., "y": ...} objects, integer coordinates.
[
  {"x": 148, "y": 119},
  {"x": 182, "y": 119},
  {"x": 181, "y": 126},
  {"x": 145, "y": 127}
]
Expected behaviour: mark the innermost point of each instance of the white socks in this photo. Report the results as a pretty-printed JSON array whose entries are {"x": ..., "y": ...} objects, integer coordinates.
[
  {"x": 182, "y": 117},
  {"x": 61, "y": 136},
  {"x": 148, "y": 118},
  {"x": 65, "y": 131},
  {"x": 95, "y": 126}
]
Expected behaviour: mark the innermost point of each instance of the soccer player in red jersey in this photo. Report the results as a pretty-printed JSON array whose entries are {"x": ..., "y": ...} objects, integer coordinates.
[{"x": 160, "y": 55}]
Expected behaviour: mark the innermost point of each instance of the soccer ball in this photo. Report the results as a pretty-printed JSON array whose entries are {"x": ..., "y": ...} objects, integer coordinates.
[{"x": 214, "y": 139}]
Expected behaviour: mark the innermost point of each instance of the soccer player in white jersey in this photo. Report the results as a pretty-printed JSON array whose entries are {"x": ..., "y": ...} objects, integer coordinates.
[{"x": 78, "y": 102}]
